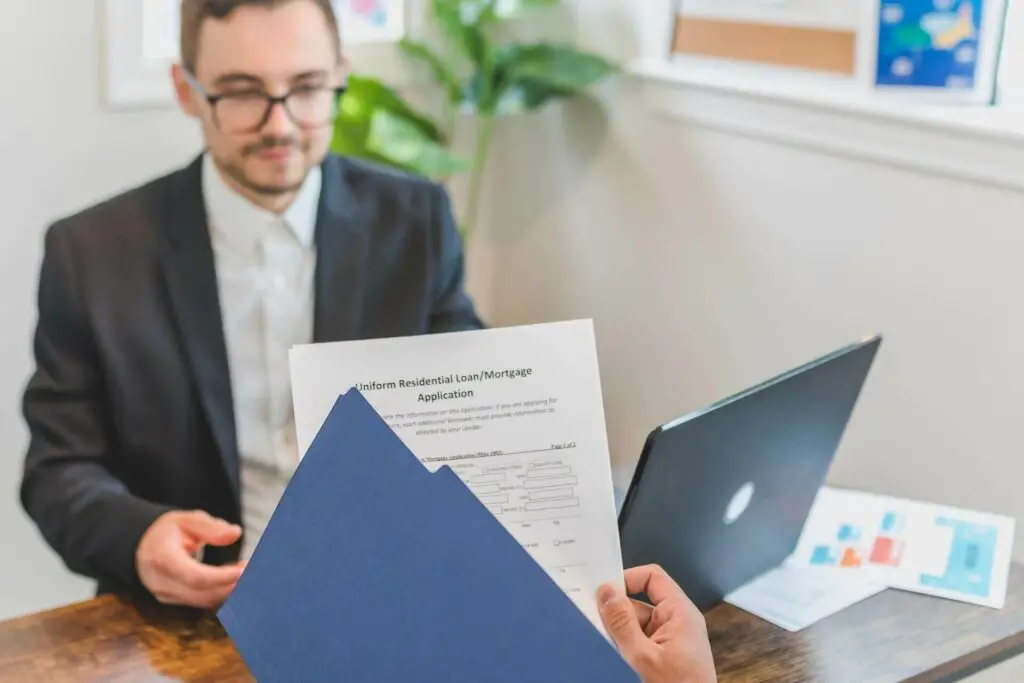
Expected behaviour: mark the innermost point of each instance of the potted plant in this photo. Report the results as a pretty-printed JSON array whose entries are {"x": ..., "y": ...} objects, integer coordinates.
[{"x": 481, "y": 76}]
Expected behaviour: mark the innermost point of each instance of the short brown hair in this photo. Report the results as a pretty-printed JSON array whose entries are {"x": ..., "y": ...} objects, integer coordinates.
[{"x": 195, "y": 12}]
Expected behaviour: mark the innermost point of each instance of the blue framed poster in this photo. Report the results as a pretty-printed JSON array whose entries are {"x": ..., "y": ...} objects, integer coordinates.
[{"x": 946, "y": 45}]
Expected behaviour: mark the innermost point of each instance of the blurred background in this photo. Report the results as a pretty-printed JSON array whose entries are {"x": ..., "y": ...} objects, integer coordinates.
[{"x": 718, "y": 228}]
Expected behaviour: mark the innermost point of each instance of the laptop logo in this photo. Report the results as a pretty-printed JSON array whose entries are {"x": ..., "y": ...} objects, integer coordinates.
[{"x": 739, "y": 503}]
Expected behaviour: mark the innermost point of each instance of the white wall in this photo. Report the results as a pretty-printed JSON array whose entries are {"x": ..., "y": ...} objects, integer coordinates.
[{"x": 61, "y": 151}]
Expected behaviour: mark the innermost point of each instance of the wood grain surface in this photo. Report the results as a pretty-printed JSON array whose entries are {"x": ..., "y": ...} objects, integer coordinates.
[
  {"x": 110, "y": 640},
  {"x": 891, "y": 638}
]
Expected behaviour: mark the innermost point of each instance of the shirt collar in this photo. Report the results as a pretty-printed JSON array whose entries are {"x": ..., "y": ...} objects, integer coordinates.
[{"x": 244, "y": 223}]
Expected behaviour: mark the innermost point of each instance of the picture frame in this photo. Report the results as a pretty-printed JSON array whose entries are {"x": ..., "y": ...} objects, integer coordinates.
[
  {"x": 139, "y": 45},
  {"x": 937, "y": 52}
]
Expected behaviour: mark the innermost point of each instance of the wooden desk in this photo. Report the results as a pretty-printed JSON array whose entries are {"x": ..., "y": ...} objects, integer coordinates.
[{"x": 892, "y": 637}]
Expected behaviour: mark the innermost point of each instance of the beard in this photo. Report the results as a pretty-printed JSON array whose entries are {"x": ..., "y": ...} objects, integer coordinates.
[{"x": 268, "y": 188}]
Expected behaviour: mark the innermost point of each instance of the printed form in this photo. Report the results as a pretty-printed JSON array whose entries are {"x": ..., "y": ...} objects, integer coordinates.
[{"x": 516, "y": 412}]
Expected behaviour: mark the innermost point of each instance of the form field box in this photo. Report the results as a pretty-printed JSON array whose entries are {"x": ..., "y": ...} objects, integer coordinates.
[
  {"x": 495, "y": 509},
  {"x": 495, "y": 478},
  {"x": 553, "y": 504},
  {"x": 551, "y": 494},
  {"x": 484, "y": 489},
  {"x": 495, "y": 498},
  {"x": 549, "y": 482},
  {"x": 549, "y": 472}
]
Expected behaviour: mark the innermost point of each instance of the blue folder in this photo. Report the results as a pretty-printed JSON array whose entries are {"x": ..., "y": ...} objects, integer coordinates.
[{"x": 374, "y": 570}]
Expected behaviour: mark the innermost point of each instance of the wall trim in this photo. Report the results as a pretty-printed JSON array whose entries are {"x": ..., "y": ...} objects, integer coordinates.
[{"x": 983, "y": 145}]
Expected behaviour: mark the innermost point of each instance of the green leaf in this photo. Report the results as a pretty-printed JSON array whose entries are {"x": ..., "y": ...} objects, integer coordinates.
[
  {"x": 375, "y": 123},
  {"x": 560, "y": 67},
  {"x": 478, "y": 93},
  {"x": 465, "y": 35},
  {"x": 528, "y": 76},
  {"x": 443, "y": 74},
  {"x": 402, "y": 143},
  {"x": 527, "y": 96},
  {"x": 350, "y": 140},
  {"x": 365, "y": 96}
]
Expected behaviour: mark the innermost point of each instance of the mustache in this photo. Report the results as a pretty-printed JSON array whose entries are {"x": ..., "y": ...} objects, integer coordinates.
[{"x": 270, "y": 142}]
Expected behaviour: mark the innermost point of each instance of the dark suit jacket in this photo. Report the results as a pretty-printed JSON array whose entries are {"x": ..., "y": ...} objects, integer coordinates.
[{"x": 130, "y": 408}]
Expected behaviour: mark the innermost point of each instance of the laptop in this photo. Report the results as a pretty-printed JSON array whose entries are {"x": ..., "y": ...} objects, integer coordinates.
[{"x": 721, "y": 496}]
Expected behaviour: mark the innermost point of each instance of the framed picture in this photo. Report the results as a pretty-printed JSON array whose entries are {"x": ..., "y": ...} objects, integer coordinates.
[
  {"x": 939, "y": 50},
  {"x": 141, "y": 43}
]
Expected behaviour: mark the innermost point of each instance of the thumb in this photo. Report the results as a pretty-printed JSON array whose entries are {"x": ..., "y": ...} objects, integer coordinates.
[
  {"x": 208, "y": 530},
  {"x": 621, "y": 621}
]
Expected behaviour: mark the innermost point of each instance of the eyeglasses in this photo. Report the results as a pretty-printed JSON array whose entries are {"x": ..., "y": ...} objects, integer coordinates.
[{"x": 248, "y": 111}]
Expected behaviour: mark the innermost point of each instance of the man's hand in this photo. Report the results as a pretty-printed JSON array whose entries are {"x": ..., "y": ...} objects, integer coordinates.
[
  {"x": 664, "y": 643},
  {"x": 167, "y": 564}
]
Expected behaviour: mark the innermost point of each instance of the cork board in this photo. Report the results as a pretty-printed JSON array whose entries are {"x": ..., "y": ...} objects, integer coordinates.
[{"x": 821, "y": 49}]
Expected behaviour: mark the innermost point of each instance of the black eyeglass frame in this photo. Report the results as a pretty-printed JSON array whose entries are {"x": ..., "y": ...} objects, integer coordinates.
[{"x": 272, "y": 102}]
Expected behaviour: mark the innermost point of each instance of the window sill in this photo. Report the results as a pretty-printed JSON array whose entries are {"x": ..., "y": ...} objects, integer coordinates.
[{"x": 984, "y": 145}]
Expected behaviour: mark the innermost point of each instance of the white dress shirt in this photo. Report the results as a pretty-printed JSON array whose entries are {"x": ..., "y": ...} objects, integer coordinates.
[{"x": 265, "y": 266}]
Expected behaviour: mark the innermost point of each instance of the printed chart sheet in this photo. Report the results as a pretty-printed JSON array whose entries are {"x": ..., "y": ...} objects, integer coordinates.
[{"x": 937, "y": 550}]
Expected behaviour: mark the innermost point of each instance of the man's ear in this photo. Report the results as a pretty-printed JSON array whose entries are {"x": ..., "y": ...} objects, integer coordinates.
[{"x": 184, "y": 92}]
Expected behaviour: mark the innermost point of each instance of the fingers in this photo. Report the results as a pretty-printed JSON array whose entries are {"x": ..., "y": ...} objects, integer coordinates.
[
  {"x": 181, "y": 580},
  {"x": 185, "y": 570},
  {"x": 673, "y": 613},
  {"x": 176, "y": 595},
  {"x": 644, "y": 612},
  {"x": 168, "y": 565},
  {"x": 208, "y": 530},
  {"x": 652, "y": 581},
  {"x": 623, "y": 625}
]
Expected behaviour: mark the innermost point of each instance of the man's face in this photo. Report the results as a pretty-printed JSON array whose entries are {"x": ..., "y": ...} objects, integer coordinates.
[{"x": 255, "y": 51}]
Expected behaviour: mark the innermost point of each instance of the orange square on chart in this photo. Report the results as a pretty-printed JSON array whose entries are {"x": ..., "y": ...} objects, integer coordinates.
[{"x": 850, "y": 558}]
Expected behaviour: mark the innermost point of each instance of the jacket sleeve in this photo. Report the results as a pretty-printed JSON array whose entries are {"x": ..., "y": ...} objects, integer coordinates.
[
  {"x": 86, "y": 514},
  {"x": 453, "y": 310}
]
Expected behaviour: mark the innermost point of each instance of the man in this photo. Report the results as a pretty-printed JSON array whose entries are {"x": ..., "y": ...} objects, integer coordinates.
[
  {"x": 664, "y": 642},
  {"x": 159, "y": 410}
]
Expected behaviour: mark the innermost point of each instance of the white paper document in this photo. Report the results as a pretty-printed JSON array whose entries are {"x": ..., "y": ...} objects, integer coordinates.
[
  {"x": 793, "y": 597},
  {"x": 516, "y": 412},
  {"x": 932, "y": 549}
]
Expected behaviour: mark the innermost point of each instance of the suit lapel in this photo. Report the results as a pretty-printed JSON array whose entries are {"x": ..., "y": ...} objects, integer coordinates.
[
  {"x": 191, "y": 278},
  {"x": 190, "y": 274},
  {"x": 341, "y": 242}
]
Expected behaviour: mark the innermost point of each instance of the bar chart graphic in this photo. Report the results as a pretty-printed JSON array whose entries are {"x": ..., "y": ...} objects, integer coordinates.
[{"x": 854, "y": 546}]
